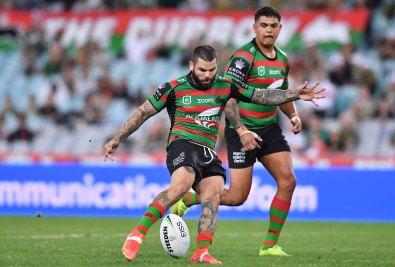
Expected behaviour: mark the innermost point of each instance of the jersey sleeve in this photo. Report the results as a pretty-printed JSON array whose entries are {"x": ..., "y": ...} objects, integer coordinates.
[
  {"x": 162, "y": 96},
  {"x": 285, "y": 84},
  {"x": 239, "y": 66},
  {"x": 241, "y": 91}
]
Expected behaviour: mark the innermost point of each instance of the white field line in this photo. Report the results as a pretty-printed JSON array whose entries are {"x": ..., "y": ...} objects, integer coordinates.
[
  {"x": 85, "y": 235},
  {"x": 61, "y": 236}
]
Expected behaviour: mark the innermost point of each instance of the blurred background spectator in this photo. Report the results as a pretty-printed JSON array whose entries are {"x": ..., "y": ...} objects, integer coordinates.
[{"x": 57, "y": 96}]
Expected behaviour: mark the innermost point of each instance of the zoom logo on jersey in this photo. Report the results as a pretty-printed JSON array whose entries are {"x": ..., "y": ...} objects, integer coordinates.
[
  {"x": 205, "y": 100},
  {"x": 274, "y": 72},
  {"x": 166, "y": 238}
]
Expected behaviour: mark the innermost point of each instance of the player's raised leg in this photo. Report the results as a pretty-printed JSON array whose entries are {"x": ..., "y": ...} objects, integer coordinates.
[
  {"x": 236, "y": 195},
  {"x": 280, "y": 166},
  {"x": 182, "y": 206},
  {"x": 181, "y": 182},
  {"x": 211, "y": 189},
  {"x": 239, "y": 187}
]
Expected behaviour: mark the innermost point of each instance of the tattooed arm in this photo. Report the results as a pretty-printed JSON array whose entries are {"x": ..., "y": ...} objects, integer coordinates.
[
  {"x": 247, "y": 138},
  {"x": 144, "y": 112},
  {"x": 270, "y": 97},
  {"x": 232, "y": 113}
]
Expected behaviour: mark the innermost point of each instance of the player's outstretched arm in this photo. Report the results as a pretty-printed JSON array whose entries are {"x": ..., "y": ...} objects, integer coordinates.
[
  {"x": 143, "y": 113},
  {"x": 277, "y": 97}
]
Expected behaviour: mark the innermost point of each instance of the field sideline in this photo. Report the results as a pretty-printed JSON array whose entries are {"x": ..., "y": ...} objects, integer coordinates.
[{"x": 56, "y": 241}]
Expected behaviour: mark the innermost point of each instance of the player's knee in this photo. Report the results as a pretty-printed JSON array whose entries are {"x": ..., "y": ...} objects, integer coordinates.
[
  {"x": 232, "y": 198},
  {"x": 179, "y": 190},
  {"x": 287, "y": 182},
  {"x": 210, "y": 196}
]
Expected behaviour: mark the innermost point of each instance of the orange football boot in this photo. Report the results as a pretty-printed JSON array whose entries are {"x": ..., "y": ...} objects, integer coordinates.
[
  {"x": 132, "y": 245},
  {"x": 202, "y": 256}
]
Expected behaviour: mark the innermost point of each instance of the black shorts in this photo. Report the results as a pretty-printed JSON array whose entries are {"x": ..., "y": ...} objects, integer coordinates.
[
  {"x": 273, "y": 141},
  {"x": 182, "y": 152}
]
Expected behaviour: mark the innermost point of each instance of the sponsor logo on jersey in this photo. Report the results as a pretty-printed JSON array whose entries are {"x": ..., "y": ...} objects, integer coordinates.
[
  {"x": 186, "y": 99},
  {"x": 208, "y": 117},
  {"x": 276, "y": 85},
  {"x": 236, "y": 68},
  {"x": 239, "y": 64},
  {"x": 181, "y": 80},
  {"x": 274, "y": 72},
  {"x": 252, "y": 49},
  {"x": 205, "y": 100},
  {"x": 261, "y": 70},
  {"x": 161, "y": 91}
]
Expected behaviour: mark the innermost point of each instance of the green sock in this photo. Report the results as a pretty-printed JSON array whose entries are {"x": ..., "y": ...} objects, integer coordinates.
[
  {"x": 204, "y": 240},
  {"x": 190, "y": 199},
  {"x": 154, "y": 212},
  {"x": 278, "y": 214}
]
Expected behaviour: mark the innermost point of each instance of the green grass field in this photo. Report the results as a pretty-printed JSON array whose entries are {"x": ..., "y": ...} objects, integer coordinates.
[{"x": 55, "y": 241}]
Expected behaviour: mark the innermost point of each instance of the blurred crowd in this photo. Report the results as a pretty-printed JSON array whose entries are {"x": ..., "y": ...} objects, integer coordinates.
[
  {"x": 74, "y": 89},
  {"x": 198, "y": 5}
]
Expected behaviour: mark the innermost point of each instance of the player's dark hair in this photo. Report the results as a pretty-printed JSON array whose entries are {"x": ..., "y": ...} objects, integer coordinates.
[
  {"x": 205, "y": 52},
  {"x": 267, "y": 11}
]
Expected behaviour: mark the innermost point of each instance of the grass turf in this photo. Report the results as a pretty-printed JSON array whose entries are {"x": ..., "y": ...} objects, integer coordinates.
[{"x": 56, "y": 241}]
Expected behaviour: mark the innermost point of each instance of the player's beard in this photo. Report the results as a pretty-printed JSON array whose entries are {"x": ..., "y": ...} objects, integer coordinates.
[{"x": 199, "y": 84}]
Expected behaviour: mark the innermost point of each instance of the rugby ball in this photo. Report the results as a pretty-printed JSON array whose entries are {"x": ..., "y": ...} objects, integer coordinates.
[{"x": 174, "y": 236}]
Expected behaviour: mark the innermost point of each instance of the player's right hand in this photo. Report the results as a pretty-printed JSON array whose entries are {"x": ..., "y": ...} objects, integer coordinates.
[
  {"x": 249, "y": 140},
  {"x": 110, "y": 148}
]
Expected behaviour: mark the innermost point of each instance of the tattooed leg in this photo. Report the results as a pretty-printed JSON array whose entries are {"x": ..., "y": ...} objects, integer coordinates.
[
  {"x": 208, "y": 218},
  {"x": 181, "y": 181},
  {"x": 163, "y": 198}
]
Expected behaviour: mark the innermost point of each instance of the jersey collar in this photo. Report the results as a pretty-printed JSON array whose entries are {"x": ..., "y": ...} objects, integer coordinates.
[{"x": 257, "y": 48}]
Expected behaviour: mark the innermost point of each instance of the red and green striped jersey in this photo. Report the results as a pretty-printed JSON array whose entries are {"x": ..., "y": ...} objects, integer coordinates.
[
  {"x": 249, "y": 65},
  {"x": 195, "y": 114}
]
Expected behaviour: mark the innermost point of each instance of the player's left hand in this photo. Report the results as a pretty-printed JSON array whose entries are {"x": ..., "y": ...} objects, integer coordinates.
[
  {"x": 311, "y": 93},
  {"x": 296, "y": 124}
]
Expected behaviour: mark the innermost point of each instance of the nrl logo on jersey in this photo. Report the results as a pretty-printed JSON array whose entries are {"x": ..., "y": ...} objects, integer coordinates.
[
  {"x": 181, "y": 80},
  {"x": 261, "y": 70},
  {"x": 186, "y": 99},
  {"x": 239, "y": 64},
  {"x": 252, "y": 49}
]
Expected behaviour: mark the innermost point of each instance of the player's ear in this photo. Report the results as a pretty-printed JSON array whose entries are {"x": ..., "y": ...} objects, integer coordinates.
[{"x": 191, "y": 65}]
